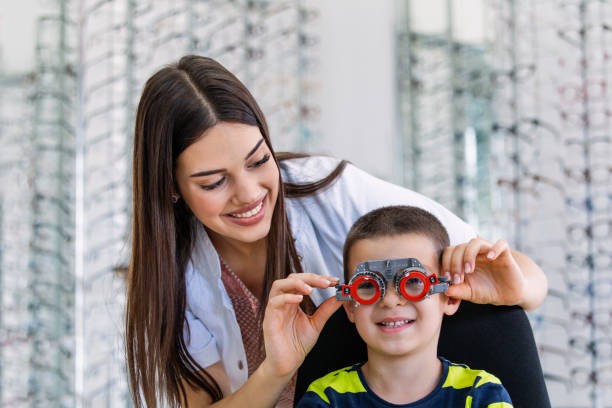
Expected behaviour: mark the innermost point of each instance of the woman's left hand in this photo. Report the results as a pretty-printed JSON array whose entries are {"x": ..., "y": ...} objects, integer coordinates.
[{"x": 483, "y": 272}]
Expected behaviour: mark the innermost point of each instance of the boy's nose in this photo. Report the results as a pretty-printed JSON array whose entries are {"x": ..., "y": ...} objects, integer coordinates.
[{"x": 392, "y": 298}]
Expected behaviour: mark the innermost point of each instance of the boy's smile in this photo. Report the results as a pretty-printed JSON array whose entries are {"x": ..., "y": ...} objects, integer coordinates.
[{"x": 394, "y": 324}]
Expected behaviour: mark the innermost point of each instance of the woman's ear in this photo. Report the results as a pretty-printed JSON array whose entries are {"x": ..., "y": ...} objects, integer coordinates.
[
  {"x": 349, "y": 308},
  {"x": 450, "y": 304}
]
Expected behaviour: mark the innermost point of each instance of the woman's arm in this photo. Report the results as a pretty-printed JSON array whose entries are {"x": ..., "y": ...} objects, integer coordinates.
[
  {"x": 249, "y": 395},
  {"x": 197, "y": 397},
  {"x": 483, "y": 272},
  {"x": 536, "y": 286},
  {"x": 289, "y": 334}
]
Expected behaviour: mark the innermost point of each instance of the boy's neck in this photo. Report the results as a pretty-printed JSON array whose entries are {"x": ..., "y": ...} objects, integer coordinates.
[{"x": 405, "y": 379}]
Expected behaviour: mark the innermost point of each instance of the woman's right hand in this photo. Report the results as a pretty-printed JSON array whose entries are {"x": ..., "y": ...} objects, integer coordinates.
[{"x": 289, "y": 333}]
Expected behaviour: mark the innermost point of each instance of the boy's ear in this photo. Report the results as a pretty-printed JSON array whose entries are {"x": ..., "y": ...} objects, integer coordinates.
[
  {"x": 450, "y": 305},
  {"x": 349, "y": 308}
]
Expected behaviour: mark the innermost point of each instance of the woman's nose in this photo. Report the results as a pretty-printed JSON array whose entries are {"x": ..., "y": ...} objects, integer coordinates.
[{"x": 246, "y": 189}]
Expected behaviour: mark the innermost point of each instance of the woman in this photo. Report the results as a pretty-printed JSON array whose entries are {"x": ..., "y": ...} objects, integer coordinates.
[{"x": 218, "y": 217}]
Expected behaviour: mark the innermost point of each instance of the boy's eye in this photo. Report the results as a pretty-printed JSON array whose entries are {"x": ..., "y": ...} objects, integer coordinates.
[
  {"x": 214, "y": 185},
  {"x": 366, "y": 290},
  {"x": 414, "y": 286},
  {"x": 260, "y": 162}
]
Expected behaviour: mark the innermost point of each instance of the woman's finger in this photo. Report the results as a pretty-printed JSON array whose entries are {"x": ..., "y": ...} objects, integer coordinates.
[
  {"x": 475, "y": 247},
  {"x": 289, "y": 285},
  {"x": 446, "y": 261},
  {"x": 281, "y": 300},
  {"x": 315, "y": 280},
  {"x": 499, "y": 247},
  {"x": 462, "y": 291},
  {"x": 300, "y": 282},
  {"x": 457, "y": 267}
]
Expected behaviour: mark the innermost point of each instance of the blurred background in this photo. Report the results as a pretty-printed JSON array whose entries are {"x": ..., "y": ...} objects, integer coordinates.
[{"x": 498, "y": 109}]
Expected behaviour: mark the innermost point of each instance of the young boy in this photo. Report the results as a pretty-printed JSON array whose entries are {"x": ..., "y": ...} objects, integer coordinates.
[{"x": 391, "y": 263}]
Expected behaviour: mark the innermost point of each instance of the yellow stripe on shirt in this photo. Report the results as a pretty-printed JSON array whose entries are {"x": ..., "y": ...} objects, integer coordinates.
[
  {"x": 342, "y": 381},
  {"x": 460, "y": 376},
  {"x": 468, "y": 404},
  {"x": 487, "y": 378}
]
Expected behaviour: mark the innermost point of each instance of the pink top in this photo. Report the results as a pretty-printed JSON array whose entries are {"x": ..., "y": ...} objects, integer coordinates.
[{"x": 246, "y": 306}]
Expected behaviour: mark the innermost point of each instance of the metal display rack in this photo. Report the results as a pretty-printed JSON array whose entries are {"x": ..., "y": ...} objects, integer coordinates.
[
  {"x": 536, "y": 95},
  {"x": 66, "y": 131}
]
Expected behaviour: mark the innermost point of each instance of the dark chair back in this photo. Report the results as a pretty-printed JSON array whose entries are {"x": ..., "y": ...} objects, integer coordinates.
[{"x": 497, "y": 339}]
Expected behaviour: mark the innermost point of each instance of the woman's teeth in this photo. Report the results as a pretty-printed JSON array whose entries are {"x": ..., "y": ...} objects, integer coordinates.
[
  {"x": 396, "y": 324},
  {"x": 249, "y": 213}
]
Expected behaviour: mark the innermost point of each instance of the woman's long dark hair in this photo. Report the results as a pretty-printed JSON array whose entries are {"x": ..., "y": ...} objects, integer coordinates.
[{"x": 178, "y": 104}]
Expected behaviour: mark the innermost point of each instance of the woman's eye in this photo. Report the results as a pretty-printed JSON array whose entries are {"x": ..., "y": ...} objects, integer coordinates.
[
  {"x": 213, "y": 186},
  {"x": 260, "y": 162}
]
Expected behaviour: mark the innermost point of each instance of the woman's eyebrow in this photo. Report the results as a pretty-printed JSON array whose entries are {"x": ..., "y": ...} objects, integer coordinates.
[
  {"x": 209, "y": 172},
  {"x": 254, "y": 149}
]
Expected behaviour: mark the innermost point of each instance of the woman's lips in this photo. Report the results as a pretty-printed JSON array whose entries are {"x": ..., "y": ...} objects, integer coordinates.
[
  {"x": 247, "y": 208},
  {"x": 243, "y": 218}
]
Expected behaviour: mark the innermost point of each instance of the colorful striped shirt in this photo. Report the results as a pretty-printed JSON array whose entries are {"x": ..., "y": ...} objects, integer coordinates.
[{"x": 459, "y": 386}]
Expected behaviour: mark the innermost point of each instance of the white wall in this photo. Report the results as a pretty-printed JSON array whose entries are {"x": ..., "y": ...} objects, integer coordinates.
[
  {"x": 356, "y": 75},
  {"x": 17, "y": 35}
]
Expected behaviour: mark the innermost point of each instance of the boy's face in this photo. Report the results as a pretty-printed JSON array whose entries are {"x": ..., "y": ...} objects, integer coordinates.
[{"x": 395, "y": 326}]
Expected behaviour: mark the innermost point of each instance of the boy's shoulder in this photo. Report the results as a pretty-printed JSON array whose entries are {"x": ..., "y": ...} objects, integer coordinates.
[
  {"x": 480, "y": 386},
  {"x": 343, "y": 380},
  {"x": 462, "y": 376},
  {"x": 339, "y": 388}
]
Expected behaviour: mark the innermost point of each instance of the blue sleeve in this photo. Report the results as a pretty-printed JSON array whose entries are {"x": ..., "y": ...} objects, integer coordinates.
[
  {"x": 312, "y": 400},
  {"x": 490, "y": 395}
]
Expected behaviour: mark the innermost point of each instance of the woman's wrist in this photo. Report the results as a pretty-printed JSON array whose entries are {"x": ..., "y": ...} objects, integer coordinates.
[
  {"x": 251, "y": 395},
  {"x": 536, "y": 284},
  {"x": 271, "y": 371}
]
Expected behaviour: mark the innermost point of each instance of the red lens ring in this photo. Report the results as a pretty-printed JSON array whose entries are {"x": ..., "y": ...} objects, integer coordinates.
[
  {"x": 418, "y": 275},
  {"x": 356, "y": 284}
]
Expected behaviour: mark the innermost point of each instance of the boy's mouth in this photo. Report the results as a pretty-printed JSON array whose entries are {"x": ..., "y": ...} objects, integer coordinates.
[{"x": 395, "y": 323}]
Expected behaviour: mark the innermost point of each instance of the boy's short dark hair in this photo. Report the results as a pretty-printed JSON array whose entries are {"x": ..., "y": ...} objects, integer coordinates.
[{"x": 395, "y": 220}]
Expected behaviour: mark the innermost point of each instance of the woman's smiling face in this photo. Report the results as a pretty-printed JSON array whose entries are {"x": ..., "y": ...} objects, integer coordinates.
[{"x": 230, "y": 181}]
